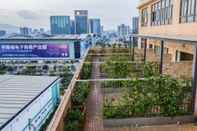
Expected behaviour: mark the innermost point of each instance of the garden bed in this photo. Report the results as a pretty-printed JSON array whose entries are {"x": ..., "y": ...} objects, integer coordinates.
[
  {"x": 147, "y": 121},
  {"x": 75, "y": 118},
  {"x": 118, "y": 67},
  {"x": 152, "y": 97},
  {"x": 86, "y": 71}
]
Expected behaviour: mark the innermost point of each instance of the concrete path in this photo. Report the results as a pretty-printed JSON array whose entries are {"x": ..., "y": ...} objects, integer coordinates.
[{"x": 94, "y": 105}]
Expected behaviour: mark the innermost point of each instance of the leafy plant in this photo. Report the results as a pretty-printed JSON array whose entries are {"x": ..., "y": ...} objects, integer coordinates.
[
  {"x": 151, "y": 69},
  {"x": 66, "y": 77},
  {"x": 86, "y": 71},
  {"x": 162, "y": 95},
  {"x": 76, "y": 115},
  {"x": 80, "y": 94},
  {"x": 116, "y": 67}
]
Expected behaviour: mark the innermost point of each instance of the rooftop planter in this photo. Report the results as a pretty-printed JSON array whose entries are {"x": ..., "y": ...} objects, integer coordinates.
[
  {"x": 150, "y": 98},
  {"x": 120, "y": 68},
  {"x": 76, "y": 115},
  {"x": 86, "y": 71}
]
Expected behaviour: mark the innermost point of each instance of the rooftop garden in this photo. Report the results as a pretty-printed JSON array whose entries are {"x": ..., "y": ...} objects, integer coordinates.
[
  {"x": 130, "y": 89},
  {"x": 142, "y": 92},
  {"x": 122, "y": 67}
]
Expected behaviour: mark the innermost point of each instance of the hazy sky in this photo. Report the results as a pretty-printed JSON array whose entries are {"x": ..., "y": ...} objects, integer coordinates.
[{"x": 35, "y": 13}]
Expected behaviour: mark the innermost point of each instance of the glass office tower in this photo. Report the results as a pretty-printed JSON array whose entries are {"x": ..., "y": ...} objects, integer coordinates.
[
  {"x": 72, "y": 27},
  {"x": 135, "y": 25},
  {"x": 81, "y": 21},
  {"x": 95, "y": 26},
  {"x": 60, "y": 25}
]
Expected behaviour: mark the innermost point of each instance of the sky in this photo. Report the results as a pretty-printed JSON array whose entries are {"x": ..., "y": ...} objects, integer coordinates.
[{"x": 36, "y": 13}]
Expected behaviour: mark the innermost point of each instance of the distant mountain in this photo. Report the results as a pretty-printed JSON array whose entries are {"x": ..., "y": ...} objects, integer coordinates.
[{"x": 9, "y": 28}]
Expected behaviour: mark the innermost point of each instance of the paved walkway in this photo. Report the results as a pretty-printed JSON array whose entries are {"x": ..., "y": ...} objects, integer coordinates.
[{"x": 94, "y": 105}]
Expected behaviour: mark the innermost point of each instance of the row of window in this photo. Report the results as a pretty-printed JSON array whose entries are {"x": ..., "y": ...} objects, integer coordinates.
[
  {"x": 157, "y": 49},
  {"x": 144, "y": 17},
  {"x": 162, "y": 12},
  {"x": 188, "y": 12}
]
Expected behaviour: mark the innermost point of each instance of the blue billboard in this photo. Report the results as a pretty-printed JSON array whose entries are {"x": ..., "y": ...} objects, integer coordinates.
[{"x": 8, "y": 50}]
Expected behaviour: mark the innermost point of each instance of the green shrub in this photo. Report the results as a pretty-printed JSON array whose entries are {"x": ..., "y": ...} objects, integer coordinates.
[
  {"x": 116, "y": 67},
  {"x": 72, "y": 126},
  {"x": 86, "y": 71},
  {"x": 140, "y": 97},
  {"x": 80, "y": 94},
  {"x": 66, "y": 76},
  {"x": 76, "y": 116},
  {"x": 151, "y": 69}
]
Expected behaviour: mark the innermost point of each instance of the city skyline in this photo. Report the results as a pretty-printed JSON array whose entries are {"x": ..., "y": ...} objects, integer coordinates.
[{"x": 21, "y": 12}]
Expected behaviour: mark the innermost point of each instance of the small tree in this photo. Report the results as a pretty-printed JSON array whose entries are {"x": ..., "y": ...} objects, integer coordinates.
[
  {"x": 116, "y": 67},
  {"x": 151, "y": 69},
  {"x": 66, "y": 77}
]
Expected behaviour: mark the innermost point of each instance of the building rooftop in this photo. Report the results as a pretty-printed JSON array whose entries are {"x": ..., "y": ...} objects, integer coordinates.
[
  {"x": 17, "y": 92},
  {"x": 48, "y": 37}
]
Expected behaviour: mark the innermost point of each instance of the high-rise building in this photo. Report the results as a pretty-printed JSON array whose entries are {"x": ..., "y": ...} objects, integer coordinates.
[
  {"x": 24, "y": 31},
  {"x": 41, "y": 30},
  {"x": 2, "y": 33},
  {"x": 135, "y": 25},
  {"x": 81, "y": 21},
  {"x": 123, "y": 30},
  {"x": 95, "y": 26},
  {"x": 72, "y": 27},
  {"x": 102, "y": 28},
  {"x": 35, "y": 31},
  {"x": 60, "y": 25}
]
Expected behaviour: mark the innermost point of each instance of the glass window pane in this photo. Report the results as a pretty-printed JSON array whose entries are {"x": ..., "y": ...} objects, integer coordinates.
[{"x": 196, "y": 11}]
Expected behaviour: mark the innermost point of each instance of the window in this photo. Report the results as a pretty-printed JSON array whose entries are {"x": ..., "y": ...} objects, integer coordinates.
[
  {"x": 166, "y": 50},
  {"x": 188, "y": 11},
  {"x": 157, "y": 50},
  {"x": 161, "y": 12},
  {"x": 144, "y": 17},
  {"x": 153, "y": 14},
  {"x": 169, "y": 11},
  {"x": 150, "y": 46},
  {"x": 158, "y": 12},
  {"x": 195, "y": 10},
  {"x": 183, "y": 10}
]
